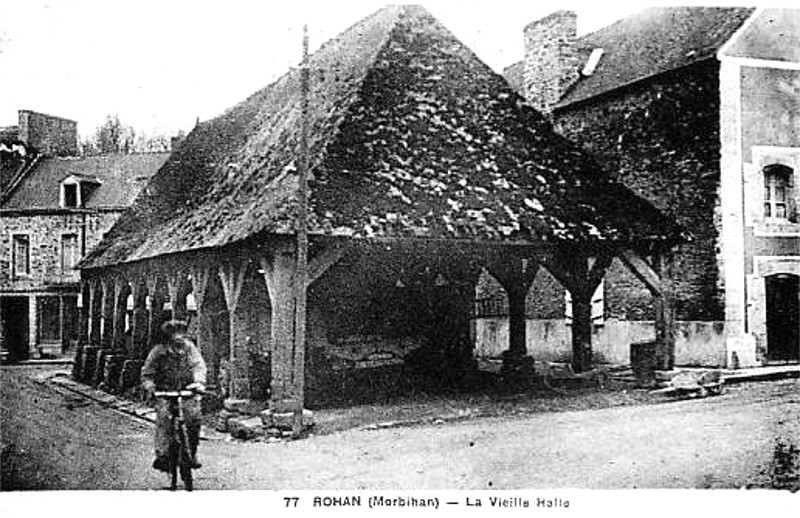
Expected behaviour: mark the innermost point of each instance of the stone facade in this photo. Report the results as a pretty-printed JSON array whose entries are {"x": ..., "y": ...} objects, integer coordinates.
[{"x": 50, "y": 290}]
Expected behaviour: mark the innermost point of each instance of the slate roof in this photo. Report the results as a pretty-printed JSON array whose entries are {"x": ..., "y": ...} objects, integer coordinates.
[
  {"x": 411, "y": 135},
  {"x": 121, "y": 178},
  {"x": 646, "y": 44},
  {"x": 774, "y": 34}
]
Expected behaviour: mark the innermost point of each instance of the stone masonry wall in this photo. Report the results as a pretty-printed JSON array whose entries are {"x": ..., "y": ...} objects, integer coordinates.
[
  {"x": 661, "y": 138},
  {"x": 44, "y": 233}
]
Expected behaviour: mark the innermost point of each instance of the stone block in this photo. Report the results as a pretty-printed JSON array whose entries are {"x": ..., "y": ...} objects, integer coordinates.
[
  {"x": 222, "y": 420},
  {"x": 130, "y": 376},
  {"x": 236, "y": 406},
  {"x": 89, "y": 363},
  {"x": 245, "y": 427},
  {"x": 285, "y": 420}
]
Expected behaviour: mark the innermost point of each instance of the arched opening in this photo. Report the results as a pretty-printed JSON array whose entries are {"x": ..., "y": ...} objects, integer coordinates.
[
  {"x": 783, "y": 317},
  {"x": 252, "y": 332}
]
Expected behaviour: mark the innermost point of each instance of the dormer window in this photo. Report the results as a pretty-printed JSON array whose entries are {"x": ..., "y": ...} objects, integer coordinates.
[
  {"x": 70, "y": 195},
  {"x": 778, "y": 195},
  {"x": 76, "y": 190}
]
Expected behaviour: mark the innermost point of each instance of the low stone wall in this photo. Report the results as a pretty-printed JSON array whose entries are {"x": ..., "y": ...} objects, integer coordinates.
[{"x": 696, "y": 343}]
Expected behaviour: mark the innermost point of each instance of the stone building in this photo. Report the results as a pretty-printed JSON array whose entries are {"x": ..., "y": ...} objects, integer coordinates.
[
  {"x": 697, "y": 109},
  {"x": 52, "y": 211},
  {"x": 424, "y": 168}
]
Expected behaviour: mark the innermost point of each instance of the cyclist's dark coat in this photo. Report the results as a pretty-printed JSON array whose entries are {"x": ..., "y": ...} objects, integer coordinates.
[{"x": 174, "y": 366}]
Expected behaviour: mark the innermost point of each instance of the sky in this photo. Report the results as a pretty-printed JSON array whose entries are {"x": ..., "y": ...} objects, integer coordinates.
[{"x": 161, "y": 65}]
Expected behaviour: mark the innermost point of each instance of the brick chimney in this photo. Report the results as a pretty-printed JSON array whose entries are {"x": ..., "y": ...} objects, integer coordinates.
[{"x": 551, "y": 62}]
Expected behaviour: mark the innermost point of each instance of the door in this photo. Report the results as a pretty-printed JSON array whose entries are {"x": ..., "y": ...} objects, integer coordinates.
[{"x": 783, "y": 318}]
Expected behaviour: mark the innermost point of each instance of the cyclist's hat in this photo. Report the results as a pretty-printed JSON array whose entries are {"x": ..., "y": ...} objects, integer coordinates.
[{"x": 171, "y": 327}]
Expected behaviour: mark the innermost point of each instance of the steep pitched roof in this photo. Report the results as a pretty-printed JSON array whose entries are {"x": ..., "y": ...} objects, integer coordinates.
[
  {"x": 646, "y": 44},
  {"x": 652, "y": 42},
  {"x": 120, "y": 179},
  {"x": 410, "y": 135},
  {"x": 773, "y": 34}
]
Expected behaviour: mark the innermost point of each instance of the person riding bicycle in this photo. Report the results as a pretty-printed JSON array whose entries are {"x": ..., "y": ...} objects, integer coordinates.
[{"x": 175, "y": 364}]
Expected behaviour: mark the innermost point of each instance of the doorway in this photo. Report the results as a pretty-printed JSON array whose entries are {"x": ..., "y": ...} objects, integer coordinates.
[
  {"x": 14, "y": 313},
  {"x": 783, "y": 318}
]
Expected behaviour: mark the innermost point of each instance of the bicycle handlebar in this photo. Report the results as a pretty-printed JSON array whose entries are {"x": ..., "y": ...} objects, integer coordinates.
[{"x": 174, "y": 393}]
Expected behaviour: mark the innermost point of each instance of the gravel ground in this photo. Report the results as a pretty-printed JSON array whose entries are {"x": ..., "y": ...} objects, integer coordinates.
[{"x": 748, "y": 437}]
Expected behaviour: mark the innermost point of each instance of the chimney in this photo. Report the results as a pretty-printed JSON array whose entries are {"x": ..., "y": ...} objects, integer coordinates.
[
  {"x": 53, "y": 136},
  {"x": 551, "y": 62}
]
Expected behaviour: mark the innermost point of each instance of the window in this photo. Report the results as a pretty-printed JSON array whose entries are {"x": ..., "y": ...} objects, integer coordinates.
[
  {"x": 778, "y": 195},
  {"x": 21, "y": 255},
  {"x": 69, "y": 252},
  {"x": 70, "y": 194}
]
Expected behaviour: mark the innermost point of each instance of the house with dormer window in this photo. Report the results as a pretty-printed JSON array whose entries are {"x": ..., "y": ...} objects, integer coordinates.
[
  {"x": 54, "y": 208},
  {"x": 697, "y": 109}
]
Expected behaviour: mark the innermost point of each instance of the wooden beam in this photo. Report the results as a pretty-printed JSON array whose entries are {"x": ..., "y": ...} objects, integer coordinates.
[
  {"x": 321, "y": 262},
  {"x": 643, "y": 271}
]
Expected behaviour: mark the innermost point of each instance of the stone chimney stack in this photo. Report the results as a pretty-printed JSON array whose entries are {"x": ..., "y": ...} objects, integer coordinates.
[
  {"x": 551, "y": 61},
  {"x": 53, "y": 136}
]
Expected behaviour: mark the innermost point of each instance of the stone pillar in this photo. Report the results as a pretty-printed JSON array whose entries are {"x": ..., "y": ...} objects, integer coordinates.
[
  {"x": 664, "y": 303},
  {"x": 33, "y": 327},
  {"x": 107, "y": 314},
  {"x": 62, "y": 327},
  {"x": 95, "y": 302}
]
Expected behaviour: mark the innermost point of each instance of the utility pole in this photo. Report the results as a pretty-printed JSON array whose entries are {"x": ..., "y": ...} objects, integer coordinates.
[{"x": 301, "y": 273}]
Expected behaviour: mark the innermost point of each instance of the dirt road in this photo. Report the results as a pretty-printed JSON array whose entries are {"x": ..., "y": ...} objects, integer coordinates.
[{"x": 54, "y": 440}]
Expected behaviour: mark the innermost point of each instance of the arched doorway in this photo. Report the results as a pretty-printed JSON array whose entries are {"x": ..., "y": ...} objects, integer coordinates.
[{"x": 783, "y": 317}]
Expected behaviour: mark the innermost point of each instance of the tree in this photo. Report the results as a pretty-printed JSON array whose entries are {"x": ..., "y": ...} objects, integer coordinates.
[{"x": 114, "y": 137}]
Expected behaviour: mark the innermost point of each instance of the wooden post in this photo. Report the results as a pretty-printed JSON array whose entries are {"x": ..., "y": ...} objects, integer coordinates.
[
  {"x": 107, "y": 313},
  {"x": 95, "y": 301},
  {"x": 279, "y": 272},
  {"x": 580, "y": 271},
  {"x": 176, "y": 283},
  {"x": 516, "y": 274},
  {"x": 231, "y": 276},
  {"x": 657, "y": 279},
  {"x": 157, "y": 301},
  {"x": 140, "y": 321},
  {"x": 301, "y": 274},
  {"x": 83, "y": 314},
  {"x": 121, "y": 292}
]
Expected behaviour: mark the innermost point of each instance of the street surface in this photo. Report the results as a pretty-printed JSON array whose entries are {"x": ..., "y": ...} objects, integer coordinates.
[{"x": 54, "y": 439}]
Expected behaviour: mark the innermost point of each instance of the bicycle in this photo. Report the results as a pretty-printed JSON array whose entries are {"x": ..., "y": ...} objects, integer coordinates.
[{"x": 180, "y": 453}]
